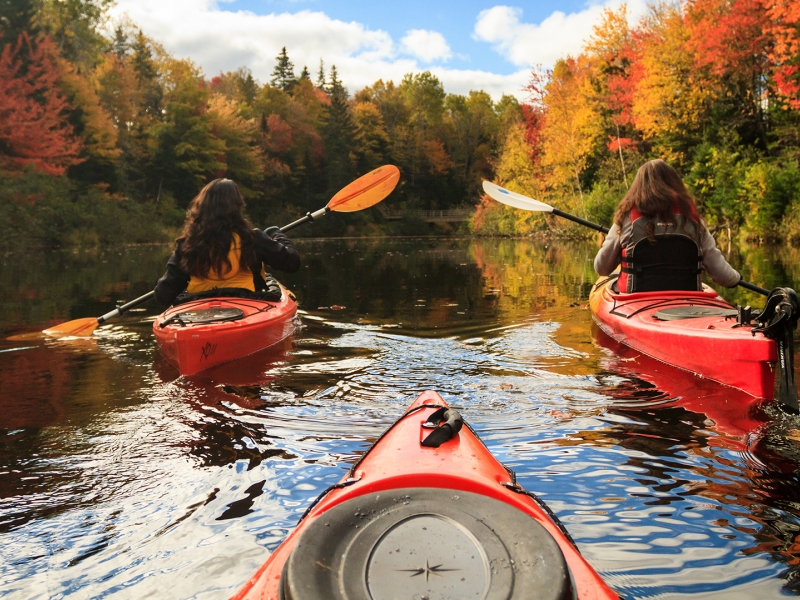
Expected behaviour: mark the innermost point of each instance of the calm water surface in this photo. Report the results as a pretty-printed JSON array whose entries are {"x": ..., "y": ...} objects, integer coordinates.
[{"x": 119, "y": 479}]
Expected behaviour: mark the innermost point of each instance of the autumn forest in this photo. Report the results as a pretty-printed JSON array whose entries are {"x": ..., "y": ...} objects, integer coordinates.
[{"x": 105, "y": 137}]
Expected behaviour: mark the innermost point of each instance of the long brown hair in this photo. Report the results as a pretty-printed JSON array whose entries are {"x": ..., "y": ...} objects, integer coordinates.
[
  {"x": 215, "y": 214},
  {"x": 655, "y": 192}
]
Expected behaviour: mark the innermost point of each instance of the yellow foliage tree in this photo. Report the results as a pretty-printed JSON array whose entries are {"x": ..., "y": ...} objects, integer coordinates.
[
  {"x": 572, "y": 128},
  {"x": 669, "y": 102}
]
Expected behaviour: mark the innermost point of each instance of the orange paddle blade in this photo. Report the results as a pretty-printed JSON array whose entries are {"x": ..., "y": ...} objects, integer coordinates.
[
  {"x": 367, "y": 190},
  {"x": 79, "y": 327}
]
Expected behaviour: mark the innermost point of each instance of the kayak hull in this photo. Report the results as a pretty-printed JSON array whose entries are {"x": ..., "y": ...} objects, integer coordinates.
[
  {"x": 711, "y": 347},
  {"x": 195, "y": 347},
  {"x": 399, "y": 462}
]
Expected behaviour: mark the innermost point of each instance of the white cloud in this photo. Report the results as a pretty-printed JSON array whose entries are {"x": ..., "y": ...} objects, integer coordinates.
[
  {"x": 223, "y": 40},
  {"x": 219, "y": 40},
  {"x": 428, "y": 46},
  {"x": 559, "y": 35}
]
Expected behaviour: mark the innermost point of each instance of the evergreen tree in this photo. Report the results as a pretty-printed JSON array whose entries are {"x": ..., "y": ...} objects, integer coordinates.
[
  {"x": 120, "y": 44},
  {"x": 335, "y": 86},
  {"x": 339, "y": 134},
  {"x": 321, "y": 75},
  {"x": 305, "y": 74},
  {"x": 146, "y": 72},
  {"x": 246, "y": 86},
  {"x": 283, "y": 74}
]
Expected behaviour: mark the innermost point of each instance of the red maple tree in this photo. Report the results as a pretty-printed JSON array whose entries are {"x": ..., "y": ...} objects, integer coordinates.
[
  {"x": 33, "y": 112},
  {"x": 784, "y": 26}
]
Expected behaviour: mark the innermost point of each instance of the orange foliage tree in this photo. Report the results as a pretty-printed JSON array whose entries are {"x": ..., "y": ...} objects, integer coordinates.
[{"x": 33, "y": 126}]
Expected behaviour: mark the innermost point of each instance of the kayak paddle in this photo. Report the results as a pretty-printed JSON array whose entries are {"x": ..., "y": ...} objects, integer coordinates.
[
  {"x": 362, "y": 193},
  {"x": 516, "y": 200}
]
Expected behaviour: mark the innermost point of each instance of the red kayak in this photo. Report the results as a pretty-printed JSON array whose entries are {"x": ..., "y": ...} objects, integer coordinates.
[
  {"x": 695, "y": 331},
  {"x": 427, "y": 512},
  {"x": 197, "y": 335}
]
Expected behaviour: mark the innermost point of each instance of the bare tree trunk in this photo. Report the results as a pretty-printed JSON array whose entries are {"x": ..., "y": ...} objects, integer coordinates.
[
  {"x": 622, "y": 162},
  {"x": 580, "y": 190}
]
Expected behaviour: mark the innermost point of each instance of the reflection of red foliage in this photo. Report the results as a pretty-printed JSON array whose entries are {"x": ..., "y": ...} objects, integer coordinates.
[
  {"x": 33, "y": 126},
  {"x": 35, "y": 385}
]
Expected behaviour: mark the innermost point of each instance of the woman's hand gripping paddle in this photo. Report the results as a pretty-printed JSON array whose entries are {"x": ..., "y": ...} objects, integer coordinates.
[
  {"x": 516, "y": 200},
  {"x": 364, "y": 192}
]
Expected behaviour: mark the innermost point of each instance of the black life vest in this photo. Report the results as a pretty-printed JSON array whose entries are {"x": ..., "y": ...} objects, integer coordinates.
[{"x": 672, "y": 262}]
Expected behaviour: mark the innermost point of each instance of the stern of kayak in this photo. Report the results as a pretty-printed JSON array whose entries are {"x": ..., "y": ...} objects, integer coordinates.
[{"x": 201, "y": 334}]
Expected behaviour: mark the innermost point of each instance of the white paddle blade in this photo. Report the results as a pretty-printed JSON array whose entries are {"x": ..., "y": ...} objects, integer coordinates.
[{"x": 513, "y": 198}]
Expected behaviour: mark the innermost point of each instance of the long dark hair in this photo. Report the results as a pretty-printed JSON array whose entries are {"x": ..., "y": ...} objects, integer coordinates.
[
  {"x": 655, "y": 192},
  {"x": 215, "y": 214}
]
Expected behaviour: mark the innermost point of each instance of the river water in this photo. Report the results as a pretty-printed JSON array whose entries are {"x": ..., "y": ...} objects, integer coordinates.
[{"x": 119, "y": 479}]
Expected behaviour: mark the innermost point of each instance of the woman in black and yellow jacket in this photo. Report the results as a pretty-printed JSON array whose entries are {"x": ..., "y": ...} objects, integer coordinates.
[{"x": 220, "y": 253}]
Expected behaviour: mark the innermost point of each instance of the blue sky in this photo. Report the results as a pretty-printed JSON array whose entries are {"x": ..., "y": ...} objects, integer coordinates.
[
  {"x": 454, "y": 20},
  {"x": 469, "y": 44}
]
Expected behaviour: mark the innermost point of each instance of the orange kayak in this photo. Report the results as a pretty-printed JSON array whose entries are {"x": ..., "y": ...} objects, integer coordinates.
[
  {"x": 198, "y": 335},
  {"x": 427, "y": 512}
]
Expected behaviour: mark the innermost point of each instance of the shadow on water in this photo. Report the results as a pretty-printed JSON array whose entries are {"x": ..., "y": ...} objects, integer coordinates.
[{"x": 120, "y": 479}]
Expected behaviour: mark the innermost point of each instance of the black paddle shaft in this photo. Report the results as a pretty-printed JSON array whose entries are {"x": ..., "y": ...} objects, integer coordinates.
[{"x": 580, "y": 221}]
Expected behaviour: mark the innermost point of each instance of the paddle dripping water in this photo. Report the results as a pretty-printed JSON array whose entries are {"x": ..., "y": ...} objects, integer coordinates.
[{"x": 119, "y": 479}]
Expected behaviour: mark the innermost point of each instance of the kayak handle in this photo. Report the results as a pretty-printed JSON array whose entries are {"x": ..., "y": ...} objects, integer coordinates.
[{"x": 446, "y": 423}]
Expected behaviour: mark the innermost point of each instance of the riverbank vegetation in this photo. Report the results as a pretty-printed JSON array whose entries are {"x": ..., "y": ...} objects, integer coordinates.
[
  {"x": 106, "y": 137},
  {"x": 712, "y": 86}
]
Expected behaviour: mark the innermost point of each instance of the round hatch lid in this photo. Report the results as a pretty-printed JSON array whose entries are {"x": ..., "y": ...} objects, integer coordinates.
[
  {"x": 209, "y": 315},
  {"x": 431, "y": 543}
]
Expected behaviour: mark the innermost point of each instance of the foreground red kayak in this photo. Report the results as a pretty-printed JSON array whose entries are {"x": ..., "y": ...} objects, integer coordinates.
[
  {"x": 695, "y": 331},
  {"x": 197, "y": 335},
  {"x": 427, "y": 512}
]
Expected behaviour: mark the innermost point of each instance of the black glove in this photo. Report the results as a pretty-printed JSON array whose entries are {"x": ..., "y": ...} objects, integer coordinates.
[{"x": 271, "y": 231}]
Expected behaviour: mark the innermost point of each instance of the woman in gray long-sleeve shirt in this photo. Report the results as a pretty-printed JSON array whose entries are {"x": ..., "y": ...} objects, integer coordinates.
[{"x": 658, "y": 214}]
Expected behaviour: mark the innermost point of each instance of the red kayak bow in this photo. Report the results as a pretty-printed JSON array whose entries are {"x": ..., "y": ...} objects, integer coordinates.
[{"x": 427, "y": 512}]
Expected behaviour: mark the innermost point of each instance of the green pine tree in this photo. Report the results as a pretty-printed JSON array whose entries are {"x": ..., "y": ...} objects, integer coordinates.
[
  {"x": 339, "y": 136},
  {"x": 120, "y": 44},
  {"x": 321, "y": 75},
  {"x": 283, "y": 74}
]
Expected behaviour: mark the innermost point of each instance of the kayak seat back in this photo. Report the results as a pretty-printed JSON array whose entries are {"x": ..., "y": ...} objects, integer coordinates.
[
  {"x": 425, "y": 543},
  {"x": 672, "y": 262}
]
